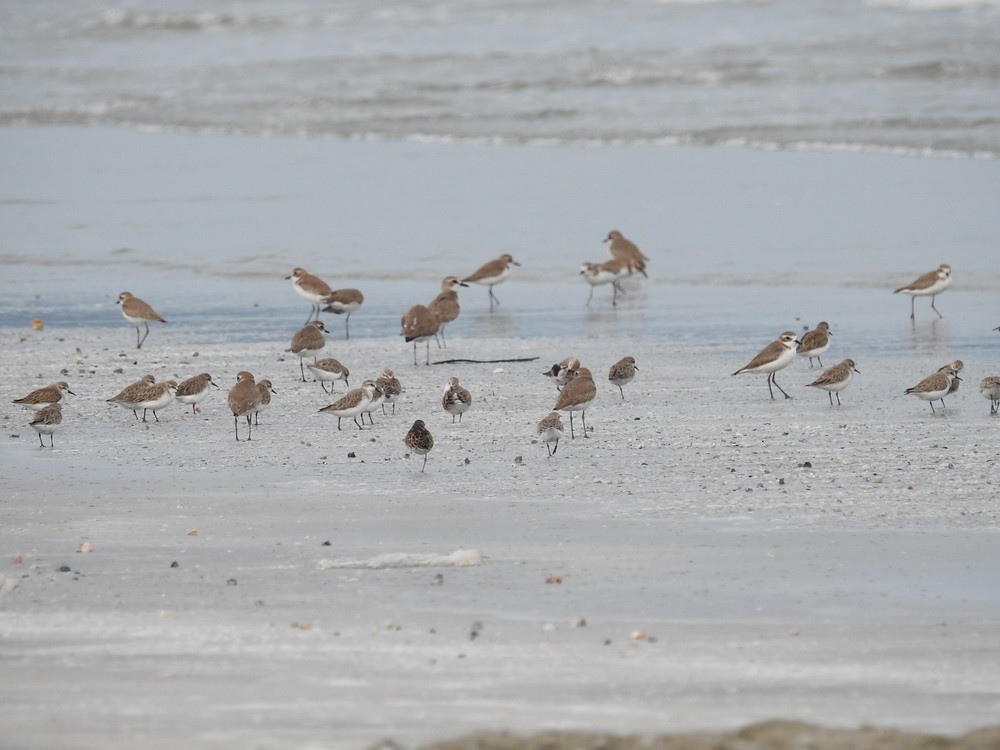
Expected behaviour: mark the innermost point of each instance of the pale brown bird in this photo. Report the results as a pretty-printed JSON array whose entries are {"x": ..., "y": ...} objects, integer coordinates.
[
  {"x": 46, "y": 421},
  {"x": 931, "y": 284},
  {"x": 562, "y": 372},
  {"x": 420, "y": 441},
  {"x": 815, "y": 342},
  {"x": 835, "y": 379},
  {"x": 456, "y": 400},
  {"x": 352, "y": 403},
  {"x": 266, "y": 389},
  {"x": 934, "y": 387},
  {"x": 391, "y": 388},
  {"x": 577, "y": 395},
  {"x": 990, "y": 388},
  {"x": 156, "y": 396},
  {"x": 445, "y": 307},
  {"x": 550, "y": 430},
  {"x": 492, "y": 274},
  {"x": 773, "y": 357},
  {"x": 311, "y": 288},
  {"x": 610, "y": 272},
  {"x": 136, "y": 311},
  {"x": 418, "y": 324},
  {"x": 194, "y": 390},
  {"x": 243, "y": 398},
  {"x": 626, "y": 250},
  {"x": 958, "y": 365},
  {"x": 622, "y": 373},
  {"x": 308, "y": 342},
  {"x": 46, "y": 396},
  {"x": 132, "y": 396},
  {"x": 341, "y": 301},
  {"x": 329, "y": 370}
]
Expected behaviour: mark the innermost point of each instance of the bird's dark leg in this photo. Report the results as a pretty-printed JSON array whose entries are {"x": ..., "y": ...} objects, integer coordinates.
[
  {"x": 775, "y": 381},
  {"x": 934, "y": 297},
  {"x": 583, "y": 416},
  {"x": 769, "y": 388}
]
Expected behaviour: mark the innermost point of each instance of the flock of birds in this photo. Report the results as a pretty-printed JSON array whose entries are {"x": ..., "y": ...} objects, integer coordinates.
[{"x": 575, "y": 383}]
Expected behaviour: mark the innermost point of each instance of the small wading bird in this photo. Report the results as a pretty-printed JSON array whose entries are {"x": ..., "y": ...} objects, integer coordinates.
[
  {"x": 242, "y": 400},
  {"x": 311, "y": 288},
  {"x": 194, "y": 390},
  {"x": 136, "y": 311},
  {"x": 835, "y": 379},
  {"x": 622, "y": 373},
  {"x": 156, "y": 396},
  {"x": 265, "y": 389},
  {"x": 391, "y": 389},
  {"x": 352, "y": 403},
  {"x": 550, "y": 430},
  {"x": 418, "y": 324},
  {"x": 131, "y": 397},
  {"x": 931, "y": 284},
  {"x": 419, "y": 441},
  {"x": 329, "y": 370},
  {"x": 46, "y": 421},
  {"x": 563, "y": 372},
  {"x": 308, "y": 342},
  {"x": 50, "y": 394},
  {"x": 609, "y": 272},
  {"x": 990, "y": 388},
  {"x": 773, "y": 357},
  {"x": 492, "y": 274},
  {"x": 626, "y": 250},
  {"x": 577, "y": 395},
  {"x": 815, "y": 342},
  {"x": 934, "y": 387},
  {"x": 445, "y": 307},
  {"x": 341, "y": 301},
  {"x": 456, "y": 400}
]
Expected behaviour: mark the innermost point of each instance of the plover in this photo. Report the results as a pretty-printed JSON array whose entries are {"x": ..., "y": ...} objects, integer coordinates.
[
  {"x": 136, "y": 311},
  {"x": 773, "y": 357},
  {"x": 815, "y": 343},
  {"x": 456, "y": 400},
  {"x": 492, "y": 274},
  {"x": 308, "y": 342},
  {"x": 242, "y": 400},
  {"x": 329, "y": 370},
  {"x": 419, "y": 441},
  {"x": 931, "y": 284},
  {"x": 445, "y": 307},
  {"x": 563, "y": 372},
  {"x": 622, "y": 372},
  {"x": 156, "y": 396},
  {"x": 958, "y": 365},
  {"x": 835, "y": 379},
  {"x": 391, "y": 388},
  {"x": 341, "y": 301},
  {"x": 50, "y": 394},
  {"x": 550, "y": 430},
  {"x": 46, "y": 421},
  {"x": 934, "y": 387},
  {"x": 352, "y": 403},
  {"x": 311, "y": 288},
  {"x": 133, "y": 395},
  {"x": 265, "y": 389},
  {"x": 990, "y": 388},
  {"x": 194, "y": 390},
  {"x": 609, "y": 272},
  {"x": 626, "y": 250},
  {"x": 418, "y": 324},
  {"x": 577, "y": 395}
]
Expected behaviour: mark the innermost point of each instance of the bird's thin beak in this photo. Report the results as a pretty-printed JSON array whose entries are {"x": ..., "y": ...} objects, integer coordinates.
[
  {"x": 118, "y": 301},
  {"x": 957, "y": 378},
  {"x": 214, "y": 383},
  {"x": 516, "y": 263},
  {"x": 287, "y": 278},
  {"x": 274, "y": 391},
  {"x": 798, "y": 342},
  {"x": 462, "y": 283},
  {"x": 607, "y": 239},
  {"x": 857, "y": 370},
  {"x": 635, "y": 367},
  {"x": 69, "y": 391},
  {"x": 829, "y": 333}
]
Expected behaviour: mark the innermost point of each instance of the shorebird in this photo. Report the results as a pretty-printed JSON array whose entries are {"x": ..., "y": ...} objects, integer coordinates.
[
  {"x": 456, "y": 400},
  {"x": 773, "y": 357},
  {"x": 352, "y": 403},
  {"x": 391, "y": 389},
  {"x": 958, "y": 365},
  {"x": 492, "y": 274},
  {"x": 47, "y": 420},
  {"x": 930, "y": 284},
  {"x": 626, "y": 250},
  {"x": 445, "y": 307},
  {"x": 136, "y": 311},
  {"x": 835, "y": 379},
  {"x": 418, "y": 324},
  {"x": 132, "y": 395},
  {"x": 577, "y": 395},
  {"x": 420, "y": 441},
  {"x": 563, "y": 372},
  {"x": 242, "y": 400},
  {"x": 307, "y": 343},
  {"x": 156, "y": 396},
  {"x": 609, "y": 272},
  {"x": 550, "y": 430},
  {"x": 194, "y": 390},
  {"x": 815, "y": 342},
  {"x": 622, "y": 372},
  {"x": 329, "y": 370},
  {"x": 934, "y": 387},
  {"x": 265, "y": 389},
  {"x": 377, "y": 400},
  {"x": 341, "y": 301},
  {"x": 50, "y": 394},
  {"x": 311, "y": 288},
  {"x": 990, "y": 388}
]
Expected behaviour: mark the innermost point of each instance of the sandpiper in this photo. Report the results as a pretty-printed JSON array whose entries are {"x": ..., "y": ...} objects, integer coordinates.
[
  {"x": 42, "y": 397},
  {"x": 265, "y": 389},
  {"x": 835, "y": 379},
  {"x": 934, "y": 387},
  {"x": 352, "y": 403},
  {"x": 391, "y": 388},
  {"x": 156, "y": 396},
  {"x": 132, "y": 396},
  {"x": 341, "y": 301},
  {"x": 550, "y": 430},
  {"x": 456, "y": 400},
  {"x": 420, "y": 441},
  {"x": 47, "y": 420},
  {"x": 194, "y": 390},
  {"x": 445, "y": 307},
  {"x": 990, "y": 388},
  {"x": 815, "y": 342},
  {"x": 329, "y": 370},
  {"x": 562, "y": 372},
  {"x": 622, "y": 373},
  {"x": 308, "y": 342}
]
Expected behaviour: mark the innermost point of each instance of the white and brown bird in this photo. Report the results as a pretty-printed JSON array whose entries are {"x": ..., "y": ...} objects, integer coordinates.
[
  {"x": 418, "y": 324},
  {"x": 577, "y": 395},
  {"x": 815, "y": 342},
  {"x": 156, "y": 396},
  {"x": 311, "y": 288},
  {"x": 773, "y": 357},
  {"x": 990, "y": 388},
  {"x": 493, "y": 273},
  {"x": 329, "y": 370},
  {"x": 242, "y": 400},
  {"x": 624, "y": 249},
  {"x": 934, "y": 387},
  {"x": 931, "y": 284},
  {"x": 622, "y": 373},
  {"x": 341, "y": 301},
  {"x": 42, "y": 397},
  {"x": 958, "y": 365},
  {"x": 46, "y": 421},
  {"x": 420, "y": 441},
  {"x": 308, "y": 342},
  {"x": 456, "y": 400},
  {"x": 562, "y": 372},
  {"x": 835, "y": 379},
  {"x": 265, "y": 389},
  {"x": 391, "y": 388},
  {"x": 550, "y": 430},
  {"x": 609, "y": 272},
  {"x": 194, "y": 390},
  {"x": 352, "y": 403},
  {"x": 138, "y": 312},
  {"x": 445, "y": 307},
  {"x": 377, "y": 400},
  {"x": 132, "y": 396}
]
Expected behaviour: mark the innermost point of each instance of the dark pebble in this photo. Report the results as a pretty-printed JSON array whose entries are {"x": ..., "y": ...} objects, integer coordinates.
[{"x": 175, "y": 564}]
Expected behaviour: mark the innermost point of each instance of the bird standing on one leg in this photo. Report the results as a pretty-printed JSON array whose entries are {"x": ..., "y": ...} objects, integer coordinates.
[
  {"x": 622, "y": 373},
  {"x": 419, "y": 441}
]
